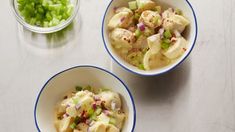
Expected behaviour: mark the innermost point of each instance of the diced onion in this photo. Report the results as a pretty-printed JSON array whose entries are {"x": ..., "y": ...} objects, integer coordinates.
[{"x": 141, "y": 26}]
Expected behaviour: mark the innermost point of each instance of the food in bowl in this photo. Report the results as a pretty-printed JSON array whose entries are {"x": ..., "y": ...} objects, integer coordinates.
[
  {"x": 147, "y": 36},
  {"x": 90, "y": 110},
  {"x": 45, "y": 13}
]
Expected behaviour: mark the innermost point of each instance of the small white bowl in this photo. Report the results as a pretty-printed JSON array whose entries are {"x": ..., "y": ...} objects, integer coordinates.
[
  {"x": 54, "y": 89},
  {"x": 190, "y": 34}
]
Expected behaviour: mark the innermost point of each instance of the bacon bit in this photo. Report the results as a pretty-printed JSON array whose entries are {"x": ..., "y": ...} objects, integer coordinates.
[{"x": 184, "y": 49}]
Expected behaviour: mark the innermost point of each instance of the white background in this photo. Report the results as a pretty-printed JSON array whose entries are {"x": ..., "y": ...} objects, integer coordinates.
[{"x": 198, "y": 96}]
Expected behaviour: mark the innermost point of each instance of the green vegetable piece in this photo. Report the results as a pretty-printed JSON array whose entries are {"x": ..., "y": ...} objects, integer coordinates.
[
  {"x": 75, "y": 101},
  {"x": 155, "y": 20},
  {"x": 73, "y": 126},
  {"x": 167, "y": 34},
  {"x": 78, "y": 88},
  {"x": 98, "y": 111},
  {"x": 137, "y": 16},
  {"x": 166, "y": 40},
  {"x": 137, "y": 33},
  {"x": 141, "y": 67},
  {"x": 93, "y": 117},
  {"x": 178, "y": 12},
  {"x": 76, "y": 120},
  {"x": 112, "y": 121},
  {"x": 165, "y": 45},
  {"x": 45, "y": 13},
  {"x": 132, "y": 5},
  {"x": 158, "y": 9},
  {"x": 90, "y": 112}
]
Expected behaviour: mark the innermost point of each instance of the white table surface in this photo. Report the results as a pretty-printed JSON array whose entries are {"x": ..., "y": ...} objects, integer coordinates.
[{"x": 198, "y": 96}]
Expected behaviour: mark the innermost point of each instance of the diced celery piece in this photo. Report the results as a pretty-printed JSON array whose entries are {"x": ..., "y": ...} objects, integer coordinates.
[
  {"x": 155, "y": 20},
  {"x": 167, "y": 40},
  {"x": 158, "y": 9},
  {"x": 73, "y": 126},
  {"x": 45, "y": 13},
  {"x": 132, "y": 5},
  {"x": 112, "y": 121},
  {"x": 178, "y": 12},
  {"x": 167, "y": 34},
  {"x": 141, "y": 67},
  {"x": 137, "y": 16},
  {"x": 98, "y": 111},
  {"x": 90, "y": 112},
  {"x": 93, "y": 117},
  {"x": 165, "y": 45},
  {"x": 137, "y": 33}
]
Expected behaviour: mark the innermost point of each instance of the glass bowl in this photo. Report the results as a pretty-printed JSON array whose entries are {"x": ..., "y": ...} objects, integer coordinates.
[{"x": 37, "y": 29}]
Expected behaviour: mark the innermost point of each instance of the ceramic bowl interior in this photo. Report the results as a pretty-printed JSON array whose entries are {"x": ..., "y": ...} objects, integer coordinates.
[
  {"x": 54, "y": 90},
  {"x": 190, "y": 34}
]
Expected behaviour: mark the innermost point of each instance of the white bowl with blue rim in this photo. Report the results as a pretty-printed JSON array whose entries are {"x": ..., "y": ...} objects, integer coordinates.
[
  {"x": 190, "y": 34},
  {"x": 65, "y": 81}
]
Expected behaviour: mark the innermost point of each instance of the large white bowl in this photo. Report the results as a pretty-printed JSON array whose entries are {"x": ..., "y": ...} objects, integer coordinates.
[
  {"x": 190, "y": 34},
  {"x": 54, "y": 89}
]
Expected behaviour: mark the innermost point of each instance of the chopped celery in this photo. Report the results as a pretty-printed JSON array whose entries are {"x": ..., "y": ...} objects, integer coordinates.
[
  {"x": 155, "y": 20},
  {"x": 93, "y": 117},
  {"x": 45, "y": 13},
  {"x": 90, "y": 112},
  {"x": 178, "y": 12},
  {"x": 112, "y": 121},
  {"x": 167, "y": 34},
  {"x": 75, "y": 100},
  {"x": 166, "y": 40},
  {"x": 137, "y": 16},
  {"x": 73, "y": 126},
  {"x": 165, "y": 45},
  {"x": 158, "y": 9},
  {"x": 141, "y": 67},
  {"x": 76, "y": 120},
  {"x": 132, "y": 5},
  {"x": 137, "y": 33},
  {"x": 98, "y": 111}
]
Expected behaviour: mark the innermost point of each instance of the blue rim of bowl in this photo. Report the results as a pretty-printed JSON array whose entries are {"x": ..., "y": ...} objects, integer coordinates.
[
  {"x": 89, "y": 66},
  {"x": 153, "y": 74}
]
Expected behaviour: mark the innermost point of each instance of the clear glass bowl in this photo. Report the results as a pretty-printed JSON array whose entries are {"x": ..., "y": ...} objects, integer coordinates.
[{"x": 37, "y": 29}]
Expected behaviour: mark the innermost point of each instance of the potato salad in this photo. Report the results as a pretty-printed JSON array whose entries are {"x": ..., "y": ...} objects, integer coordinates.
[
  {"x": 147, "y": 36},
  {"x": 90, "y": 110}
]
